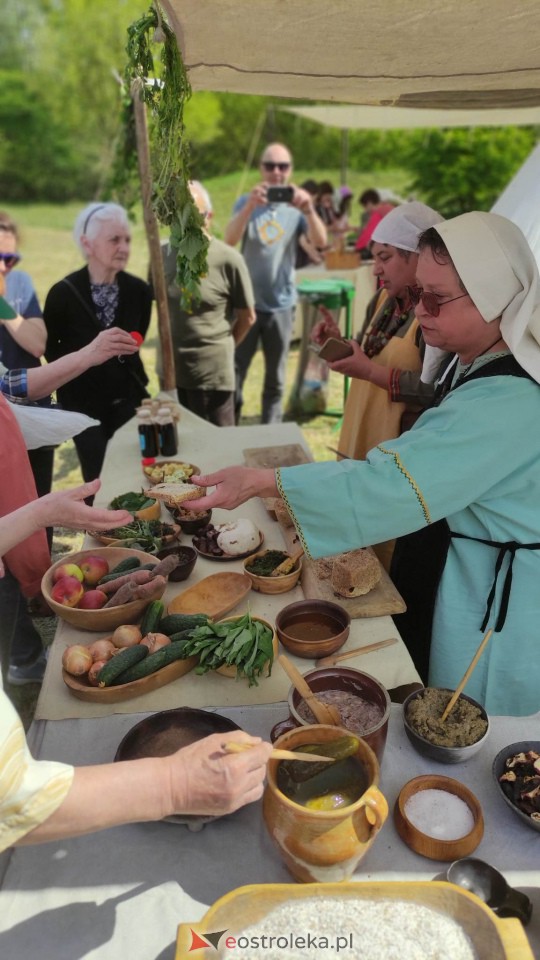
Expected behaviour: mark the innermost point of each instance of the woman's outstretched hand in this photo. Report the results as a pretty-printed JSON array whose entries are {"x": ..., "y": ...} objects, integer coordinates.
[
  {"x": 234, "y": 485},
  {"x": 68, "y": 509}
]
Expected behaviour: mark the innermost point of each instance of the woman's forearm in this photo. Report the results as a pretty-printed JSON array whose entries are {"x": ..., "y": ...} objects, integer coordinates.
[
  {"x": 106, "y": 796},
  {"x": 29, "y": 332}
]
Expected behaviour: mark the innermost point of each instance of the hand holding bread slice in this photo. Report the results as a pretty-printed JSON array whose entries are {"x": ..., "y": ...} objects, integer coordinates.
[{"x": 175, "y": 494}]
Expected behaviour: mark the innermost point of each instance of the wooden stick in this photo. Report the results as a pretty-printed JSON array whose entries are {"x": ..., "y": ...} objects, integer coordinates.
[
  {"x": 369, "y": 648},
  {"x": 466, "y": 676},
  {"x": 152, "y": 236},
  {"x": 286, "y": 565},
  {"x": 236, "y": 746}
]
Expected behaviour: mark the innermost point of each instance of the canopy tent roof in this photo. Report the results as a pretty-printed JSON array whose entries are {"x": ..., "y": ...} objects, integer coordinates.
[
  {"x": 445, "y": 54},
  {"x": 355, "y": 117}
]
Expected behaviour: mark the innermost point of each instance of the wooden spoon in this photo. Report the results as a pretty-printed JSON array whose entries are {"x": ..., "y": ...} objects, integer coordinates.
[
  {"x": 236, "y": 746},
  {"x": 286, "y": 565},
  {"x": 324, "y": 712},
  {"x": 465, "y": 676},
  {"x": 368, "y": 648}
]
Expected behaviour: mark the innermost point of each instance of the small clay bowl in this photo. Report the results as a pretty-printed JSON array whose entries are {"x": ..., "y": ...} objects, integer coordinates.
[
  {"x": 499, "y": 767},
  {"x": 189, "y": 524},
  {"x": 313, "y": 628},
  {"x": 434, "y": 751},
  {"x": 272, "y": 585},
  {"x": 187, "y": 557},
  {"x": 349, "y": 680},
  {"x": 436, "y": 848}
]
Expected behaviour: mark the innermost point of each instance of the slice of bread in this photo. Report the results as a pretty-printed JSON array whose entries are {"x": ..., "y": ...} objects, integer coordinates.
[{"x": 176, "y": 493}]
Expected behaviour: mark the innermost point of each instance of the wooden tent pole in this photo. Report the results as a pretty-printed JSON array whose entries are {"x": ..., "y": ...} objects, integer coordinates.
[{"x": 152, "y": 235}]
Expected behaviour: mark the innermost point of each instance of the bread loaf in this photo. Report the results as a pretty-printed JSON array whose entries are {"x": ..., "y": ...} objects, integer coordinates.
[
  {"x": 176, "y": 493},
  {"x": 283, "y": 514},
  {"x": 355, "y": 573}
]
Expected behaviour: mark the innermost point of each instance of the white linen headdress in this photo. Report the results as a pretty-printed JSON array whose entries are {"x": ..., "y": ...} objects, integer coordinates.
[
  {"x": 499, "y": 272},
  {"x": 402, "y": 227}
]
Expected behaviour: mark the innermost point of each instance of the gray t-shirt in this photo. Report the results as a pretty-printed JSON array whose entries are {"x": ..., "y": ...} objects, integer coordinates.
[{"x": 269, "y": 246}]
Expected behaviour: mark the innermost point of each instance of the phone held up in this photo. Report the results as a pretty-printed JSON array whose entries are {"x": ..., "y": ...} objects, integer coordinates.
[
  {"x": 334, "y": 349},
  {"x": 279, "y": 194}
]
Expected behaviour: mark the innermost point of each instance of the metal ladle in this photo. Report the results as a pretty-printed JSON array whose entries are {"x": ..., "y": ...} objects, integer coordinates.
[{"x": 490, "y": 886}]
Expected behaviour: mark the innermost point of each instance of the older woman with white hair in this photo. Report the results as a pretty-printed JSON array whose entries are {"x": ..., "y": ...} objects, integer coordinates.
[
  {"x": 98, "y": 296},
  {"x": 464, "y": 480}
]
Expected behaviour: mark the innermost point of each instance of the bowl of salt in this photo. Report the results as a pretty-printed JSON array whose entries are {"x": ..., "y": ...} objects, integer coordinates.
[{"x": 439, "y": 817}]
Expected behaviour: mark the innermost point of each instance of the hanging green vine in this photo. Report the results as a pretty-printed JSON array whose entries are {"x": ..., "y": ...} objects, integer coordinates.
[{"x": 165, "y": 91}]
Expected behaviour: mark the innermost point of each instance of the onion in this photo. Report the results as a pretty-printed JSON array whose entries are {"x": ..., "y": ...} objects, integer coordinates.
[
  {"x": 155, "y": 641},
  {"x": 77, "y": 660},
  {"x": 94, "y": 671},
  {"x": 101, "y": 649},
  {"x": 127, "y": 635}
]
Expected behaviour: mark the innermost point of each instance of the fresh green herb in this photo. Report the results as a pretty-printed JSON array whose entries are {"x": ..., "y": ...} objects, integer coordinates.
[
  {"x": 147, "y": 535},
  {"x": 131, "y": 501},
  {"x": 165, "y": 91},
  {"x": 262, "y": 566},
  {"x": 243, "y": 643}
]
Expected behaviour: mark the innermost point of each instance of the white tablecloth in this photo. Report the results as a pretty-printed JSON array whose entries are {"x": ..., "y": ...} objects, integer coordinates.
[{"x": 120, "y": 895}]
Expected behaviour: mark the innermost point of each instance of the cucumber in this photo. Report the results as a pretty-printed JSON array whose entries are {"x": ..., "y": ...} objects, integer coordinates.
[
  {"x": 152, "y": 663},
  {"x": 151, "y": 617},
  {"x": 120, "y": 662},
  {"x": 176, "y": 622},
  {"x": 130, "y": 563},
  {"x": 181, "y": 635}
]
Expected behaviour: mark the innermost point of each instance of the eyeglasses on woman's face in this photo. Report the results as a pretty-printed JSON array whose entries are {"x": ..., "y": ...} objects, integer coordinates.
[
  {"x": 269, "y": 166},
  {"x": 10, "y": 259},
  {"x": 430, "y": 301}
]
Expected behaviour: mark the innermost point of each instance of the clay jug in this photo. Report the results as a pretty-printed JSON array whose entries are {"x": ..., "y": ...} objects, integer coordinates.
[{"x": 323, "y": 845}]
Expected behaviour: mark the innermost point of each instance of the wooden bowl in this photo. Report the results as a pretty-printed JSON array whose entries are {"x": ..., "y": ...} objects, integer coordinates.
[
  {"x": 313, "y": 628},
  {"x": 187, "y": 557},
  {"x": 435, "y": 751},
  {"x": 240, "y": 908},
  {"x": 152, "y": 512},
  {"x": 499, "y": 767},
  {"x": 232, "y": 672},
  {"x": 163, "y": 733},
  {"x": 273, "y": 585},
  {"x": 114, "y": 541},
  {"x": 163, "y": 463},
  {"x": 80, "y": 688},
  {"x": 187, "y": 523},
  {"x": 97, "y": 620},
  {"x": 434, "y": 847},
  {"x": 349, "y": 680}
]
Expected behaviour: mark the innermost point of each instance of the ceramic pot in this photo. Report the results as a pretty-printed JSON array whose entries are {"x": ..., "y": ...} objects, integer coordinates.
[{"x": 323, "y": 845}]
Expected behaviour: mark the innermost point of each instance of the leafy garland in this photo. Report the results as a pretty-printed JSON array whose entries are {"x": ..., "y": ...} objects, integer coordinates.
[{"x": 165, "y": 97}]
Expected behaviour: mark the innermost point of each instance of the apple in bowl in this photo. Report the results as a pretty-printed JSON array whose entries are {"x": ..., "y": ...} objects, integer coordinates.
[{"x": 68, "y": 591}]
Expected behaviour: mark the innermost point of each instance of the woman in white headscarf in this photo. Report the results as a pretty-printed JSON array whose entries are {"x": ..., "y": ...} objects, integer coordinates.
[
  {"x": 472, "y": 461},
  {"x": 390, "y": 340}
]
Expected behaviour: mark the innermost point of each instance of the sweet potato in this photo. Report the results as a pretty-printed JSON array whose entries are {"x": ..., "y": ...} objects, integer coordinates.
[
  {"x": 123, "y": 595},
  {"x": 150, "y": 591},
  {"x": 166, "y": 566},
  {"x": 136, "y": 576}
]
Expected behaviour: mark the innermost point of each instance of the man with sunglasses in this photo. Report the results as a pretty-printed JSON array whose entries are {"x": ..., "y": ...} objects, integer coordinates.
[{"x": 269, "y": 233}]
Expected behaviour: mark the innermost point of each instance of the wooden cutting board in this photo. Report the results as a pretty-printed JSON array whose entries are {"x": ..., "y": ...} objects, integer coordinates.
[
  {"x": 284, "y": 455},
  {"x": 383, "y": 599}
]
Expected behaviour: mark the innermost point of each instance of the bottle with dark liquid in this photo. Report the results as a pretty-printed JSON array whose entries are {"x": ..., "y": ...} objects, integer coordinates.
[
  {"x": 168, "y": 446},
  {"x": 148, "y": 439}
]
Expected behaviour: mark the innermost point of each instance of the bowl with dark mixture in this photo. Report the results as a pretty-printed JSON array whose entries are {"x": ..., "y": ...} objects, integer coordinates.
[
  {"x": 462, "y": 734},
  {"x": 362, "y": 701}
]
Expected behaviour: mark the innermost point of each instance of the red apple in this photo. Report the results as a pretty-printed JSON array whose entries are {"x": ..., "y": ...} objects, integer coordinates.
[
  {"x": 93, "y": 569},
  {"x": 68, "y": 570},
  {"x": 67, "y": 591},
  {"x": 92, "y": 600}
]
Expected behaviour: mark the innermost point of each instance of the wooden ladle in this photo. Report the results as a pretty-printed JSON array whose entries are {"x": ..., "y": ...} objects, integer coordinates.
[
  {"x": 465, "y": 676},
  {"x": 324, "y": 712},
  {"x": 286, "y": 565}
]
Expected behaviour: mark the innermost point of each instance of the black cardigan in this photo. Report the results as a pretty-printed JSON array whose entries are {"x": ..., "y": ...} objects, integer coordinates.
[{"x": 70, "y": 326}]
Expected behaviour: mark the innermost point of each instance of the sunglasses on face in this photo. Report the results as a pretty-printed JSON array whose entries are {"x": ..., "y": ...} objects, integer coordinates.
[
  {"x": 10, "y": 259},
  {"x": 430, "y": 302},
  {"x": 269, "y": 166}
]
